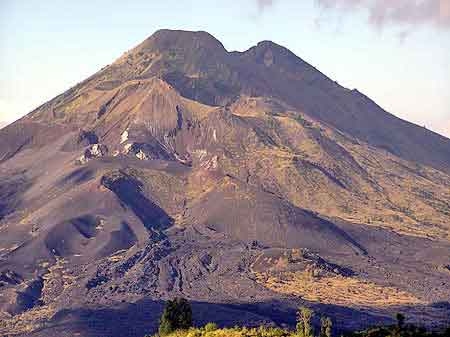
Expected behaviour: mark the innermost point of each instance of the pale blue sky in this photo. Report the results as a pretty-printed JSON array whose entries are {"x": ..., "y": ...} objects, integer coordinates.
[{"x": 47, "y": 46}]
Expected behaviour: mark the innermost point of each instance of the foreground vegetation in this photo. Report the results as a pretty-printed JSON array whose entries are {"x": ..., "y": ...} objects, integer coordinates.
[
  {"x": 176, "y": 321},
  {"x": 277, "y": 332}
]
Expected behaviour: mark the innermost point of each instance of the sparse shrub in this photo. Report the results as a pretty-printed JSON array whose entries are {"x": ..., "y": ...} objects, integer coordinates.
[
  {"x": 276, "y": 332},
  {"x": 303, "y": 121},
  {"x": 210, "y": 327},
  {"x": 325, "y": 326},
  {"x": 177, "y": 315}
]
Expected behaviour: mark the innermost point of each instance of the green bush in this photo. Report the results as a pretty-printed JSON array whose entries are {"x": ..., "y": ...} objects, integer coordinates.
[
  {"x": 210, "y": 327},
  {"x": 177, "y": 315}
]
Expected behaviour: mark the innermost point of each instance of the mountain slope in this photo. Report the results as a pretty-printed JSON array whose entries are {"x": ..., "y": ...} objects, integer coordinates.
[
  {"x": 199, "y": 67},
  {"x": 184, "y": 169}
]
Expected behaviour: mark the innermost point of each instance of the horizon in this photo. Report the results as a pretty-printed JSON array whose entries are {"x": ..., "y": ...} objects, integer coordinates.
[{"x": 388, "y": 62}]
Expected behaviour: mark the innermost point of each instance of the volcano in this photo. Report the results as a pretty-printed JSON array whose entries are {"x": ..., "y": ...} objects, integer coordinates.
[{"x": 248, "y": 182}]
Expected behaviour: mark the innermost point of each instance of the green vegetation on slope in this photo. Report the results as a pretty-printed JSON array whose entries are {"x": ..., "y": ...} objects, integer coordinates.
[
  {"x": 176, "y": 321},
  {"x": 385, "y": 331}
]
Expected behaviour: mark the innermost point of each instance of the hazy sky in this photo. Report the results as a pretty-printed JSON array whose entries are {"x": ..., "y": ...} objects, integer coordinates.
[{"x": 395, "y": 51}]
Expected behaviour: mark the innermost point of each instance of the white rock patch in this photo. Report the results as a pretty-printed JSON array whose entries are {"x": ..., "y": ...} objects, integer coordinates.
[
  {"x": 127, "y": 147},
  {"x": 94, "y": 151},
  {"x": 141, "y": 155},
  {"x": 124, "y": 137}
]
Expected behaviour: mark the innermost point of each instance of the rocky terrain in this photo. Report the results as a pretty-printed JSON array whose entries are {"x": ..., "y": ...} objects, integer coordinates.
[{"x": 248, "y": 182}]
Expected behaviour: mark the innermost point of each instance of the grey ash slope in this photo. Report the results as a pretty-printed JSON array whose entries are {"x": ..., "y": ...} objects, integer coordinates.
[{"x": 176, "y": 168}]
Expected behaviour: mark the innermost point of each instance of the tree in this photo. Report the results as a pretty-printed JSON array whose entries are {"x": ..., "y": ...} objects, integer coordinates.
[
  {"x": 325, "y": 326},
  {"x": 304, "y": 326},
  {"x": 400, "y": 320},
  {"x": 177, "y": 315},
  {"x": 300, "y": 328}
]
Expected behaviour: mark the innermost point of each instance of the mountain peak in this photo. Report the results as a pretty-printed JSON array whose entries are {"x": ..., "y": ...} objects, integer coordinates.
[
  {"x": 165, "y": 39},
  {"x": 267, "y": 44},
  {"x": 269, "y": 53}
]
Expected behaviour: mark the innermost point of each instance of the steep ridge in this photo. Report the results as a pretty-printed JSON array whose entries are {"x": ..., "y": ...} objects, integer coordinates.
[{"x": 181, "y": 168}]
